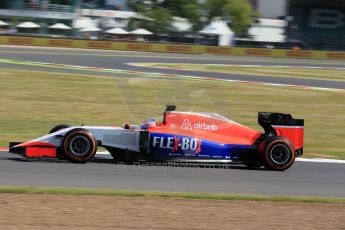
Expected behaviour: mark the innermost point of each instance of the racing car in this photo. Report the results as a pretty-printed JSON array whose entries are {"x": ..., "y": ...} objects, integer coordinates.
[{"x": 180, "y": 136}]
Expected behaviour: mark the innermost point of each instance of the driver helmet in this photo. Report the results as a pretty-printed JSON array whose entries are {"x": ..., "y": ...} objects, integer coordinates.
[{"x": 149, "y": 123}]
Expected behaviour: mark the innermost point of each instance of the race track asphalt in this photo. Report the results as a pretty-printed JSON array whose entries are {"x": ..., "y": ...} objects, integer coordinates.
[
  {"x": 119, "y": 60},
  {"x": 303, "y": 178}
]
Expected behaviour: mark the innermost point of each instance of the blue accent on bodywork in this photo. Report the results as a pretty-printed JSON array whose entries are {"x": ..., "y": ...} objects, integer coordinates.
[{"x": 162, "y": 147}]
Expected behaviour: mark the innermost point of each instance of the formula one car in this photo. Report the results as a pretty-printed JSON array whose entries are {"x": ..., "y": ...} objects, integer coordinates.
[{"x": 181, "y": 136}]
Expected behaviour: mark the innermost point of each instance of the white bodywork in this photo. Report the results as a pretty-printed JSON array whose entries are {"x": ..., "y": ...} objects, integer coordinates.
[{"x": 108, "y": 136}]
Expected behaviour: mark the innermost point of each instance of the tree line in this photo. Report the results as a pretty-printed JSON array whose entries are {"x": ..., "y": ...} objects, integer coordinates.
[{"x": 157, "y": 14}]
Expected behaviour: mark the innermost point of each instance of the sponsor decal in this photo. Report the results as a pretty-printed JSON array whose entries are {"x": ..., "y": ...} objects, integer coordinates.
[
  {"x": 99, "y": 45},
  {"x": 258, "y": 52},
  {"x": 327, "y": 18},
  {"x": 200, "y": 125},
  {"x": 186, "y": 125},
  {"x": 175, "y": 143},
  {"x": 205, "y": 126},
  {"x": 336, "y": 55},
  {"x": 138, "y": 46},
  {"x": 20, "y": 41},
  {"x": 299, "y": 53},
  {"x": 218, "y": 50},
  {"x": 60, "y": 42},
  {"x": 178, "y": 48}
]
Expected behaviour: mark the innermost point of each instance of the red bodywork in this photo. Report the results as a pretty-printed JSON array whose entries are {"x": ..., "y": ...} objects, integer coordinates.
[
  {"x": 38, "y": 149},
  {"x": 211, "y": 127},
  {"x": 294, "y": 133}
]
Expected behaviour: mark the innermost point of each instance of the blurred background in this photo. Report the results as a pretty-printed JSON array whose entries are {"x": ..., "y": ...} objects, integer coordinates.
[{"x": 291, "y": 24}]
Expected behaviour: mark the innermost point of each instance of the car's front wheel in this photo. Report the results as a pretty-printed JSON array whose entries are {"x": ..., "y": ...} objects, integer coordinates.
[{"x": 79, "y": 145}]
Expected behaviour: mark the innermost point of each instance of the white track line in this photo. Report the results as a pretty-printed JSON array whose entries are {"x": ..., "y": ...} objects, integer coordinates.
[
  {"x": 321, "y": 160},
  {"x": 229, "y": 80},
  {"x": 143, "y": 64}
]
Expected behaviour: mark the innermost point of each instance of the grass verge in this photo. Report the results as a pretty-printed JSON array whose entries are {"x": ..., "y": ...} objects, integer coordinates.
[
  {"x": 200, "y": 196},
  {"x": 329, "y": 74},
  {"x": 32, "y": 102}
]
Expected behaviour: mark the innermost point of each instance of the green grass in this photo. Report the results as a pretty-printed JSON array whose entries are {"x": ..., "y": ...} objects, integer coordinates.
[
  {"x": 32, "y": 102},
  {"x": 198, "y": 196},
  {"x": 328, "y": 74}
]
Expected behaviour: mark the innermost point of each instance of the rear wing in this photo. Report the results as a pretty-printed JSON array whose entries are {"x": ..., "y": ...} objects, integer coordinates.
[{"x": 282, "y": 124}]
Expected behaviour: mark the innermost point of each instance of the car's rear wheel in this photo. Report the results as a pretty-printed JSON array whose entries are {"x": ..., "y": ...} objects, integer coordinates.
[
  {"x": 79, "y": 145},
  {"x": 58, "y": 128},
  {"x": 277, "y": 153}
]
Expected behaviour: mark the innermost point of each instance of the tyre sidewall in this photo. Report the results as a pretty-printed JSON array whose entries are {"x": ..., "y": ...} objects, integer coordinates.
[
  {"x": 265, "y": 151},
  {"x": 66, "y": 145}
]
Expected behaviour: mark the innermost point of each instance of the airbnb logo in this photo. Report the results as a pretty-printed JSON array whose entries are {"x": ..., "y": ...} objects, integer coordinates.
[
  {"x": 200, "y": 125},
  {"x": 186, "y": 125}
]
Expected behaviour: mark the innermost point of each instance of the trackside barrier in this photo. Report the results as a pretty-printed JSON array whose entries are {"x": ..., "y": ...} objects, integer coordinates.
[{"x": 170, "y": 48}]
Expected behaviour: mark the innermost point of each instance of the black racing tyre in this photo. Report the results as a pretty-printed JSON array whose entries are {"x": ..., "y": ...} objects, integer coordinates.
[
  {"x": 79, "y": 145},
  {"x": 58, "y": 127},
  {"x": 277, "y": 153}
]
